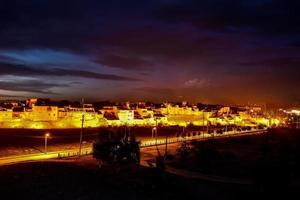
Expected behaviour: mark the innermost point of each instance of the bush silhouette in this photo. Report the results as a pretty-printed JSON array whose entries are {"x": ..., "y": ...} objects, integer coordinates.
[{"x": 116, "y": 148}]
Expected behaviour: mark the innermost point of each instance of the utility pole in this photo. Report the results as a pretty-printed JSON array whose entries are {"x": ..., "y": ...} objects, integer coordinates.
[
  {"x": 208, "y": 129},
  {"x": 166, "y": 148},
  {"x": 203, "y": 120},
  {"x": 125, "y": 129},
  {"x": 226, "y": 130},
  {"x": 156, "y": 127},
  {"x": 297, "y": 121},
  {"x": 156, "y": 137},
  {"x": 203, "y": 129},
  {"x": 81, "y": 132}
]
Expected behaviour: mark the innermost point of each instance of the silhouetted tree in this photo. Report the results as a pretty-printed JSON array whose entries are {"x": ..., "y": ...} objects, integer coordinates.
[
  {"x": 184, "y": 151},
  {"x": 116, "y": 148}
]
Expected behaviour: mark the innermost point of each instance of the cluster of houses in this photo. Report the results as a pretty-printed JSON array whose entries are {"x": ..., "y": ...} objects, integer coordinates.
[{"x": 37, "y": 115}]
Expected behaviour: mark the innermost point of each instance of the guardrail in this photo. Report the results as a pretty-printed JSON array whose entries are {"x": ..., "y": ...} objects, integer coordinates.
[
  {"x": 74, "y": 153},
  {"x": 197, "y": 136}
]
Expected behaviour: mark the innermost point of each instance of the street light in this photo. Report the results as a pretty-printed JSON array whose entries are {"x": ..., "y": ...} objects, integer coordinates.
[
  {"x": 47, "y": 135},
  {"x": 154, "y": 129}
]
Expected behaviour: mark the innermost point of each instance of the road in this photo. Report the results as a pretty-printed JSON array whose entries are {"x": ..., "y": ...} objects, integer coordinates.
[
  {"x": 31, "y": 141},
  {"x": 148, "y": 148}
]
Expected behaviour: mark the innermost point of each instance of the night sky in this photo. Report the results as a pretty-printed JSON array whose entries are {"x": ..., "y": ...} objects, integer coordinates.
[{"x": 216, "y": 51}]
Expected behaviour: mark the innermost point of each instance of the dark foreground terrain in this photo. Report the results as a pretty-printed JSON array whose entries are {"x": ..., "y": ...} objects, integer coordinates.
[
  {"x": 63, "y": 180},
  {"x": 274, "y": 155},
  {"x": 269, "y": 162}
]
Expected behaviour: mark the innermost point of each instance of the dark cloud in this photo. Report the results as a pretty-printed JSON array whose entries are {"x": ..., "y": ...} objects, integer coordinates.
[
  {"x": 33, "y": 86},
  {"x": 177, "y": 94},
  {"x": 238, "y": 45},
  {"x": 161, "y": 43},
  {"x": 23, "y": 70},
  {"x": 277, "y": 67},
  {"x": 156, "y": 94},
  {"x": 62, "y": 24},
  {"x": 295, "y": 44},
  {"x": 10, "y": 96},
  {"x": 268, "y": 16},
  {"x": 6, "y": 59},
  {"x": 40, "y": 24},
  {"x": 125, "y": 62},
  {"x": 87, "y": 74},
  {"x": 155, "y": 90},
  {"x": 283, "y": 63}
]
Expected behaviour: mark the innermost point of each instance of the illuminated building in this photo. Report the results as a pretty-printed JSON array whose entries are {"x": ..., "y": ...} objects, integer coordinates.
[
  {"x": 224, "y": 110},
  {"x": 293, "y": 118},
  {"x": 38, "y": 116},
  {"x": 31, "y": 102},
  {"x": 6, "y": 114},
  {"x": 43, "y": 113},
  {"x": 126, "y": 116},
  {"x": 183, "y": 115}
]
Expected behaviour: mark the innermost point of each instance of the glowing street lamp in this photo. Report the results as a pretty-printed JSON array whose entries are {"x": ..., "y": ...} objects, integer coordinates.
[
  {"x": 154, "y": 130},
  {"x": 47, "y": 135}
]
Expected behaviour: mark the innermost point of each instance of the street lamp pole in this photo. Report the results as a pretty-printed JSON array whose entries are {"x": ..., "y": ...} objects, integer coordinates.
[
  {"x": 153, "y": 131},
  {"x": 46, "y": 141}
]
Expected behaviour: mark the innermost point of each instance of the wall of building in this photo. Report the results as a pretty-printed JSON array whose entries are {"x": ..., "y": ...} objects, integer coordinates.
[
  {"x": 126, "y": 116},
  {"x": 6, "y": 115},
  {"x": 43, "y": 113}
]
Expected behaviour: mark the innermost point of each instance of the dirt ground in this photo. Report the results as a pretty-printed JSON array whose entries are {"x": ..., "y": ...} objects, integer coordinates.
[{"x": 82, "y": 179}]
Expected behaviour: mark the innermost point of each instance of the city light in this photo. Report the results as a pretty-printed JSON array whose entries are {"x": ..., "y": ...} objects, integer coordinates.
[
  {"x": 55, "y": 117},
  {"x": 47, "y": 135}
]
